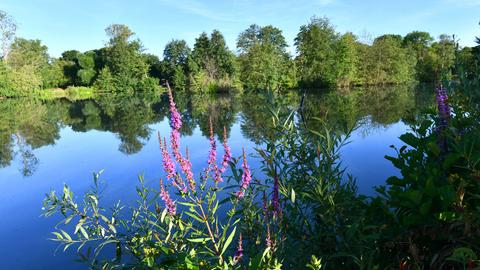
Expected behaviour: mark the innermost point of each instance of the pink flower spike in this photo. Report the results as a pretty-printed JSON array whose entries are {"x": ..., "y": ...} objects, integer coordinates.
[
  {"x": 227, "y": 156},
  {"x": 169, "y": 204},
  {"x": 239, "y": 253},
  {"x": 246, "y": 177},
  {"x": 212, "y": 156},
  {"x": 176, "y": 119},
  {"x": 168, "y": 164},
  {"x": 187, "y": 170}
]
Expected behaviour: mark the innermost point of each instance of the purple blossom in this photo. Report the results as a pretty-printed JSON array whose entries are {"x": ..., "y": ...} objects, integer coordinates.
[
  {"x": 246, "y": 177},
  {"x": 169, "y": 204},
  {"x": 175, "y": 142},
  {"x": 442, "y": 104},
  {"x": 239, "y": 253},
  {"x": 168, "y": 164},
  {"x": 444, "y": 115},
  {"x": 176, "y": 119},
  {"x": 212, "y": 158},
  {"x": 268, "y": 240},
  {"x": 227, "y": 156},
  {"x": 185, "y": 164}
]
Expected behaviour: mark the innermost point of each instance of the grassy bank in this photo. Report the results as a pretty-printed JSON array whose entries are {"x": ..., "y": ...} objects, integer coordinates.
[{"x": 71, "y": 93}]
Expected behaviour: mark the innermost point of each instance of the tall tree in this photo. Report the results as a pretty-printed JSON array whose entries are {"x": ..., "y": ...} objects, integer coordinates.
[
  {"x": 174, "y": 63},
  {"x": 124, "y": 58},
  {"x": 211, "y": 60},
  {"x": 24, "y": 52},
  {"x": 316, "y": 47},
  {"x": 263, "y": 57},
  {"x": 347, "y": 60},
  {"x": 8, "y": 27},
  {"x": 386, "y": 62},
  {"x": 420, "y": 42}
]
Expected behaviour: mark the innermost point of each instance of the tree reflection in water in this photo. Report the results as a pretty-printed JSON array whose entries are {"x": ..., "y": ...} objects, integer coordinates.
[{"x": 30, "y": 124}]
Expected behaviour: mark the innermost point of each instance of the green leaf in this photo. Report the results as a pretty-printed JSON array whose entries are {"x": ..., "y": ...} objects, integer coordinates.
[
  {"x": 229, "y": 240},
  {"x": 414, "y": 196},
  {"x": 293, "y": 196},
  {"x": 195, "y": 216},
  {"x": 112, "y": 228},
  {"x": 199, "y": 240},
  {"x": 84, "y": 232},
  {"x": 58, "y": 235},
  {"x": 65, "y": 234},
  {"x": 409, "y": 139},
  {"x": 164, "y": 213}
]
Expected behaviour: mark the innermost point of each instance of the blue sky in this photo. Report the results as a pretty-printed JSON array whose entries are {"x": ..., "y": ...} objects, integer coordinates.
[{"x": 63, "y": 25}]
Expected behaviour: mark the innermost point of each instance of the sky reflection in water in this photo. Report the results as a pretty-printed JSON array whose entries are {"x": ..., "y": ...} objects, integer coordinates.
[{"x": 46, "y": 144}]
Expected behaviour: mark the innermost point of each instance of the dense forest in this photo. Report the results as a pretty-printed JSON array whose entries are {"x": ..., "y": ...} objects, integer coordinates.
[{"x": 323, "y": 58}]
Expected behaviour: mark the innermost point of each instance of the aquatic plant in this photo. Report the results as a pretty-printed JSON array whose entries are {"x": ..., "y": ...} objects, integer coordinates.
[{"x": 194, "y": 228}]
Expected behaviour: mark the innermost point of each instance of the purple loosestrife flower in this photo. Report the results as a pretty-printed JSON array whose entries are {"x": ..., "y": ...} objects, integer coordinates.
[
  {"x": 444, "y": 115},
  {"x": 212, "y": 158},
  {"x": 239, "y": 253},
  {"x": 176, "y": 119},
  {"x": 175, "y": 142},
  {"x": 186, "y": 166},
  {"x": 168, "y": 164},
  {"x": 169, "y": 167},
  {"x": 169, "y": 204},
  {"x": 275, "y": 199},
  {"x": 442, "y": 104},
  {"x": 227, "y": 156},
  {"x": 246, "y": 177},
  {"x": 268, "y": 240}
]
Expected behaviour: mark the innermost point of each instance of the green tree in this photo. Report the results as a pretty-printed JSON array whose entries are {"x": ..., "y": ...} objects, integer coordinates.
[
  {"x": 71, "y": 67},
  {"x": 211, "y": 63},
  {"x": 263, "y": 58},
  {"x": 386, "y": 62},
  {"x": 347, "y": 60},
  {"x": 420, "y": 43},
  {"x": 24, "y": 52},
  {"x": 155, "y": 66},
  {"x": 86, "y": 68},
  {"x": 124, "y": 59},
  {"x": 28, "y": 60},
  {"x": 316, "y": 47},
  {"x": 54, "y": 74},
  {"x": 174, "y": 63}
]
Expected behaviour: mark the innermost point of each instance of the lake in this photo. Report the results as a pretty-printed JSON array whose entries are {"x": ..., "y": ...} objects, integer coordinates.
[{"x": 44, "y": 144}]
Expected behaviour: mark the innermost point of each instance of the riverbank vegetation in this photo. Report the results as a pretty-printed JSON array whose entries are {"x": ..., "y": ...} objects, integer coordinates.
[
  {"x": 303, "y": 212},
  {"x": 322, "y": 58}
]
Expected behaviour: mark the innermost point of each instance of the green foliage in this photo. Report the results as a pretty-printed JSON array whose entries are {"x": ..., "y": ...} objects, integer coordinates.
[
  {"x": 7, "y": 89},
  {"x": 105, "y": 81},
  {"x": 25, "y": 52},
  {"x": 211, "y": 65},
  {"x": 86, "y": 68},
  {"x": 316, "y": 46},
  {"x": 174, "y": 65},
  {"x": 54, "y": 74},
  {"x": 124, "y": 59},
  {"x": 263, "y": 59},
  {"x": 386, "y": 62}
]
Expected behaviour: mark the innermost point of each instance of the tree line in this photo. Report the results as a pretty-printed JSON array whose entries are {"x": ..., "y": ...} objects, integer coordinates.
[{"x": 324, "y": 58}]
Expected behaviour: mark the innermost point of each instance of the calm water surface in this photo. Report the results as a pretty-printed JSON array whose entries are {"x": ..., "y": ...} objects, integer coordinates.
[{"x": 46, "y": 144}]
